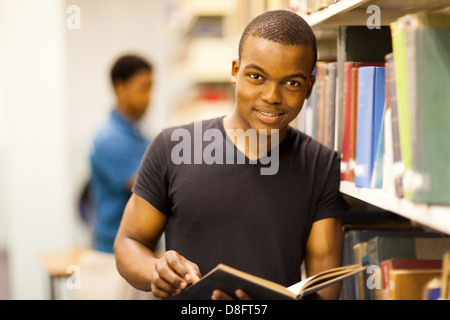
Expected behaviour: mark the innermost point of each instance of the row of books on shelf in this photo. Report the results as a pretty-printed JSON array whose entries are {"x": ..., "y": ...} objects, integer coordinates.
[
  {"x": 384, "y": 105},
  {"x": 401, "y": 265}
]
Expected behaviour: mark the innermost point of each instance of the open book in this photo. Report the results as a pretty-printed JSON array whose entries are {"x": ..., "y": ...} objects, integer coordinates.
[{"x": 228, "y": 279}]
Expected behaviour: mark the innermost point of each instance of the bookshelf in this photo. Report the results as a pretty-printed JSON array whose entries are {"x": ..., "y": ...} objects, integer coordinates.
[
  {"x": 353, "y": 12},
  {"x": 432, "y": 216},
  {"x": 330, "y": 13}
]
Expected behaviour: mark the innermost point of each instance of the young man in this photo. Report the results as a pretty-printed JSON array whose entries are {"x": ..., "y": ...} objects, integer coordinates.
[
  {"x": 119, "y": 146},
  {"x": 117, "y": 151},
  {"x": 226, "y": 212}
]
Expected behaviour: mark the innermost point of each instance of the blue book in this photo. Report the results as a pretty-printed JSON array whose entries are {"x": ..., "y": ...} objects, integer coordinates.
[
  {"x": 371, "y": 99},
  {"x": 377, "y": 175}
]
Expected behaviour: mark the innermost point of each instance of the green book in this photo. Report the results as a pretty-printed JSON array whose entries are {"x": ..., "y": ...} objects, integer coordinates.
[
  {"x": 383, "y": 248},
  {"x": 401, "y": 77},
  {"x": 428, "y": 36}
]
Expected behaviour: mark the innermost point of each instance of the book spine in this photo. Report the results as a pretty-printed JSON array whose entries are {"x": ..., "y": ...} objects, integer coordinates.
[
  {"x": 314, "y": 102},
  {"x": 388, "y": 179},
  {"x": 398, "y": 166},
  {"x": 378, "y": 127},
  {"x": 353, "y": 123},
  {"x": 320, "y": 100},
  {"x": 331, "y": 94},
  {"x": 346, "y": 121},
  {"x": 398, "y": 44},
  {"x": 340, "y": 83},
  {"x": 364, "y": 155},
  {"x": 326, "y": 109},
  {"x": 377, "y": 176}
]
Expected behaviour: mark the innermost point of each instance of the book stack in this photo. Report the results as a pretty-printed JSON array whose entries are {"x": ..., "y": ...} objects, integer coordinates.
[
  {"x": 384, "y": 107},
  {"x": 400, "y": 263},
  {"x": 421, "y": 68}
]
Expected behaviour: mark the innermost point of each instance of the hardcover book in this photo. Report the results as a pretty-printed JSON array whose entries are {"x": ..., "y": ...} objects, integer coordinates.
[
  {"x": 229, "y": 280},
  {"x": 371, "y": 102}
]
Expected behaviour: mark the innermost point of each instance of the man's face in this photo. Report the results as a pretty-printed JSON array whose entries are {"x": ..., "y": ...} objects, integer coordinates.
[
  {"x": 272, "y": 81},
  {"x": 135, "y": 93}
]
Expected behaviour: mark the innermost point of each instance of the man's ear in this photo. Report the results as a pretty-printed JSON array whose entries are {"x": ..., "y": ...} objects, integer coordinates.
[
  {"x": 312, "y": 80},
  {"x": 234, "y": 71}
]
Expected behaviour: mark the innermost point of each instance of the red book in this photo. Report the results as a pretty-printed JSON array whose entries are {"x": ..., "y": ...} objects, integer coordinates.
[
  {"x": 349, "y": 118},
  {"x": 321, "y": 74}
]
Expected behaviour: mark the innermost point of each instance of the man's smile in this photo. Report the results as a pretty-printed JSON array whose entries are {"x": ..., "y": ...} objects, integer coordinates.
[{"x": 269, "y": 116}]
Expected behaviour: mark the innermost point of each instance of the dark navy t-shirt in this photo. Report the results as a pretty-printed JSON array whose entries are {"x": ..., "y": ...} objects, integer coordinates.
[{"x": 233, "y": 214}]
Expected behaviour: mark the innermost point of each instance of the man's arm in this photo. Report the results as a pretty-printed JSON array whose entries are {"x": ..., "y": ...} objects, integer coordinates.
[
  {"x": 140, "y": 230},
  {"x": 324, "y": 251}
]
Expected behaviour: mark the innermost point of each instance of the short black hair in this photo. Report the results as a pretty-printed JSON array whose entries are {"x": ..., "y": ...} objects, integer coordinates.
[
  {"x": 281, "y": 26},
  {"x": 127, "y": 66}
]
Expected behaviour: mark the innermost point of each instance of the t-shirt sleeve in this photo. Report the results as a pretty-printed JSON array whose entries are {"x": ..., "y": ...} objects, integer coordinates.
[
  {"x": 152, "y": 179},
  {"x": 331, "y": 203},
  {"x": 114, "y": 161}
]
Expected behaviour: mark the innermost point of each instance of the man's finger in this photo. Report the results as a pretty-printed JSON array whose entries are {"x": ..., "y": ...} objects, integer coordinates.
[
  {"x": 167, "y": 273},
  {"x": 220, "y": 295},
  {"x": 193, "y": 272},
  {"x": 242, "y": 295},
  {"x": 177, "y": 263},
  {"x": 161, "y": 284}
]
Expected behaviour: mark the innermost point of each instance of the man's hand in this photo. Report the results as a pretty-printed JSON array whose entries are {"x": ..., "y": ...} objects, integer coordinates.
[
  {"x": 220, "y": 295},
  {"x": 172, "y": 273}
]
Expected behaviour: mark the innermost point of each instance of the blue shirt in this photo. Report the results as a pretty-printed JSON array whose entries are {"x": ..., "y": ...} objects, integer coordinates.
[{"x": 117, "y": 151}]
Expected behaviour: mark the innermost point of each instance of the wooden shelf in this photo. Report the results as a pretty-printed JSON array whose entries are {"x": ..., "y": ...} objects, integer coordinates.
[
  {"x": 353, "y": 12},
  {"x": 433, "y": 216},
  {"x": 332, "y": 11}
]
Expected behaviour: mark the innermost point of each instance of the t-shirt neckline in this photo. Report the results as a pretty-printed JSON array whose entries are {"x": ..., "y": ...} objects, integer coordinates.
[{"x": 282, "y": 146}]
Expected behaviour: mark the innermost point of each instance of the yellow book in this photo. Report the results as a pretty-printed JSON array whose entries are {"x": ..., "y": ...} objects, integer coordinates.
[{"x": 410, "y": 284}]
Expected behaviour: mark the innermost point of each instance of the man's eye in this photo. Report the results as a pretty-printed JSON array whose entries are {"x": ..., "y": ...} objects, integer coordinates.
[
  {"x": 293, "y": 83},
  {"x": 255, "y": 76}
]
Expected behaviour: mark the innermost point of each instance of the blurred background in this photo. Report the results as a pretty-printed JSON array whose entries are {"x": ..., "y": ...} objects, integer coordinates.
[{"x": 55, "y": 59}]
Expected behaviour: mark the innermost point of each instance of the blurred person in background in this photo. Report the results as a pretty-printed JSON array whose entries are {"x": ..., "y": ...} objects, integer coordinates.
[{"x": 117, "y": 151}]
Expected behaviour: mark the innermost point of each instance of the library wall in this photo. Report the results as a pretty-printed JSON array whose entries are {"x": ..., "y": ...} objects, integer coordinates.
[
  {"x": 37, "y": 196},
  {"x": 3, "y": 228}
]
